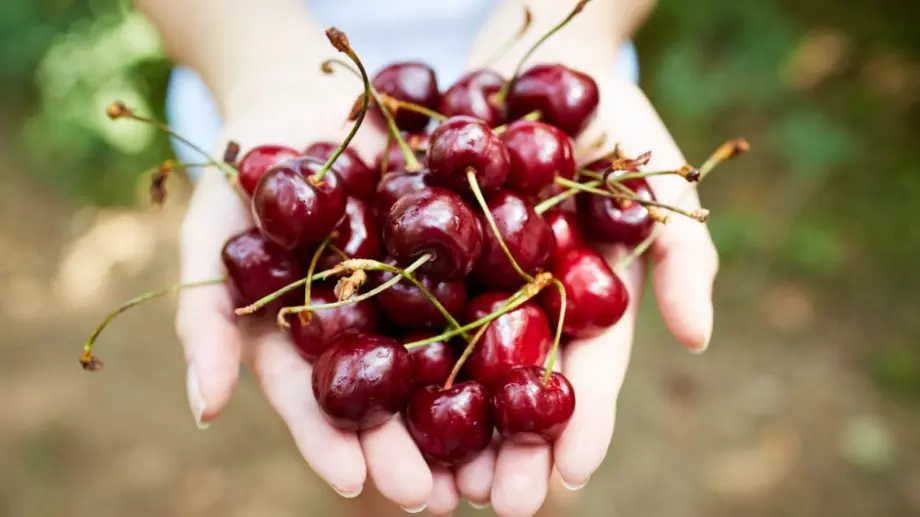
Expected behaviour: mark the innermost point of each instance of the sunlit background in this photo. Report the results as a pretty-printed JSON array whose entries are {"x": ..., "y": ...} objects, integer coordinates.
[{"x": 807, "y": 404}]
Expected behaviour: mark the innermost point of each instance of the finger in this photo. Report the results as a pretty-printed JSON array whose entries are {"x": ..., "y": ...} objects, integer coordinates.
[
  {"x": 204, "y": 319},
  {"x": 521, "y": 479},
  {"x": 335, "y": 455},
  {"x": 596, "y": 368},
  {"x": 396, "y": 466},
  {"x": 444, "y": 497},
  {"x": 474, "y": 479}
]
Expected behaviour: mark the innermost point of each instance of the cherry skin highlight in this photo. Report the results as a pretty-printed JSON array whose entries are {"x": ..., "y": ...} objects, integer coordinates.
[
  {"x": 325, "y": 325},
  {"x": 614, "y": 220},
  {"x": 564, "y": 97},
  {"x": 358, "y": 236},
  {"x": 450, "y": 425},
  {"x": 462, "y": 143},
  {"x": 566, "y": 231},
  {"x": 521, "y": 337},
  {"x": 539, "y": 152},
  {"x": 255, "y": 163},
  {"x": 394, "y": 185},
  {"x": 596, "y": 298},
  {"x": 358, "y": 180},
  {"x": 362, "y": 380},
  {"x": 431, "y": 364},
  {"x": 406, "y": 305},
  {"x": 257, "y": 267},
  {"x": 472, "y": 96},
  {"x": 528, "y": 237},
  {"x": 527, "y": 411},
  {"x": 410, "y": 82},
  {"x": 434, "y": 220}
]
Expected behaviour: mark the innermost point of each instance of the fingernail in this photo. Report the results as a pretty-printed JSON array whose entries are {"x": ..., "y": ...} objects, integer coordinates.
[
  {"x": 417, "y": 509},
  {"x": 346, "y": 493},
  {"x": 478, "y": 506},
  {"x": 577, "y": 486},
  {"x": 195, "y": 398},
  {"x": 700, "y": 350}
]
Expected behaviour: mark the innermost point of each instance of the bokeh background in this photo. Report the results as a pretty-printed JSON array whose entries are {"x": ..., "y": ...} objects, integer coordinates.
[{"x": 807, "y": 404}]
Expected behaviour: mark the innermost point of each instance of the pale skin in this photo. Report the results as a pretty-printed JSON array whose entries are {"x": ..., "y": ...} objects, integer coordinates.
[{"x": 261, "y": 61}]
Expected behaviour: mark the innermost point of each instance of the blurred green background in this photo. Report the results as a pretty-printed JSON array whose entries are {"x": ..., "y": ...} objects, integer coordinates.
[{"x": 807, "y": 404}]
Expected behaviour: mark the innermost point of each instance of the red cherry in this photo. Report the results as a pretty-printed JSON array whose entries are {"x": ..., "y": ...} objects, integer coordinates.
[
  {"x": 358, "y": 235},
  {"x": 564, "y": 97},
  {"x": 472, "y": 95},
  {"x": 450, "y": 425},
  {"x": 395, "y": 159},
  {"x": 596, "y": 298},
  {"x": 431, "y": 364},
  {"x": 566, "y": 231},
  {"x": 521, "y": 337},
  {"x": 294, "y": 210},
  {"x": 326, "y": 325},
  {"x": 257, "y": 267},
  {"x": 528, "y": 237},
  {"x": 530, "y": 412},
  {"x": 394, "y": 185},
  {"x": 358, "y": 180},
  {"x": 406, "y": 305},
  {"x": 462, "y": 143},
  {"x": 613, "y": 220},
  {"x": 362, "y": 380},
  {"x": 254, "y": 164},
  {"x": 539, "y": 152},
  {"x": 410, "y": 82},
  {"x": 437, "y": 221}
]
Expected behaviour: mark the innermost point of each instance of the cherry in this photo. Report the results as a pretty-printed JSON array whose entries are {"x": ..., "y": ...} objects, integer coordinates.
[
  {"x": 527, "y": 410},
  {"x": 328, "y": 324},
  {"x": 358, "y": 235},
  {"x": 566, "y": 231},
  {"x": 255, "y": 163},
  {"x": 395, "y": 159},
  {"x": 362, "y": 380},
  {"x": 596, "y": 298},
  {"x": 294, "y": 210},
  {"x": 521, "y": 337},
  {"x": 257, "y": 267},
  {"x": 394, "y": 185},
  {"x": 461, "y": 143},
  {"x": 358, "y": 180},
  {"x": 437, "y": 221},
  {"x": 406, "y": 305},
  {"x": 410, "y": 82},
  {"x": 450, "y": 425},
  {"x": 432, "y": 363},
  {"x": 528, "y": 237},
  {"x": 564, "y": 97},
  {"x": 472, "y": 95},
  {"x": 539, "y": 152},
  {"x": 614, "y": 220}
]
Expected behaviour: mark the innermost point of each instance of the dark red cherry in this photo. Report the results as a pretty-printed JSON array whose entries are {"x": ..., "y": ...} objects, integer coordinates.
[
  {"x": 596, "y": 298},
  {"x": 528, "y": 237},
  {"x": 614, "y": 220},
  {"x": 394, "y": 185},
  {"x": 431, "y": 364},
  {"x": 450, "y": 425},
  {"x": 521, "y": 337},
  {"x": 293, "y": 209},
  {"x": 434, "y": 220},
  {"x": 461, "y": 143},
  {"x": 539, "y": 152},
  {"x": 411, "y": 82},
  {"x": 254, "y": 164},
  {"x": 566, "y": 231},
  {"x": 358, "y": 235},
  {"x": 406, "y": 305},
  {"x": 472, "y": 95},
  {"x": 362, "y": 380},
  {"x": 528, "y": 411},
  {"x": 328, "y": 324},
  {"x": 358, "y": 180},
  {"x": 418, "y": 142},
  {"x": 564, "y": 97},
  {"x": 257, "y": 267}
]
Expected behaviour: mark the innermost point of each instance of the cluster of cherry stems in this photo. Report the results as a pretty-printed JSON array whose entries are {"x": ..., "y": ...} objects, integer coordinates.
[{"x": 476, "y": 227}]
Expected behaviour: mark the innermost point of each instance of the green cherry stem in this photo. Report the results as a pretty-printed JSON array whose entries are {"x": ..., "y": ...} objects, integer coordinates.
[
  {"x": 532, "y": 116},
  {"x": 311, "y": 270},
  {"x": 467, "y": 352},
  {"x": 506, "y": 46},
  {"x": 269, "y": 298},
  {"x": 551, "y": 361},
  {"x": 425, "y": 291},
  {"x": 700, "y": 215},
  {"x": 92, "y": 363}
]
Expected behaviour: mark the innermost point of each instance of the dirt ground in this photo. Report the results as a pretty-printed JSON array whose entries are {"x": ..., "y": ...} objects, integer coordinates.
[{"x": 778, "y": 419}]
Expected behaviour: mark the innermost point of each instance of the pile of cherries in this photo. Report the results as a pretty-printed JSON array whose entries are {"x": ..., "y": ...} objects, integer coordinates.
[{"x": 439, "y": 282}]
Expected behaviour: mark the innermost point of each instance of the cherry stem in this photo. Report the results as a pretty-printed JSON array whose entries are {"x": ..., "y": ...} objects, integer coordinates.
[
  {"x": 477, "y": 193},
  {"x": 412, "y": 163},
  {"x": 467, "y": 352},
  {"x": 532, "y": 116},
  {"x": 725, "y": 152},
  {"x": 559, "y": 324},
  {"x": 267, "y": 299},
  {"x": 304, "y": 318},
  {"x": 411, "y": 106},
  {"x": 506, "y": 46},
  {"x": 87, "y": 359},
  {"x": 503, "y": 93},
  {"x": 591, "y": 188},
  {"x": 339, "y": 40},
  {"x": 371, "y": 264}
]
